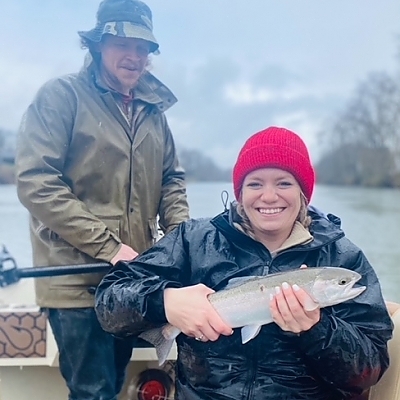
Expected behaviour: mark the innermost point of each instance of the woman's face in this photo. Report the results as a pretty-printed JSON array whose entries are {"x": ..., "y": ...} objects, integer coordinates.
[{"x": 271, "y": 198}]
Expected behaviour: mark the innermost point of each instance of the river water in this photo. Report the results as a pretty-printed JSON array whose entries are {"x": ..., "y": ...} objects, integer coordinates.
[{"x": 370, "y": 218}]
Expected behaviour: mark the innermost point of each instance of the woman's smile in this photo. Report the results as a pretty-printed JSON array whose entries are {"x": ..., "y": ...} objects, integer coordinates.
[{"x": 270, "y": 211}]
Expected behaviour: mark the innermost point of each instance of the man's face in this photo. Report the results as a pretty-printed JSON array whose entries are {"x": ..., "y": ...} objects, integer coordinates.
[{"x": 123, "y": 60}]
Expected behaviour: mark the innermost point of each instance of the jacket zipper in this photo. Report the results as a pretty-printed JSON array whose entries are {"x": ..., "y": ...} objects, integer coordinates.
[{"x": 252, "y": 374}]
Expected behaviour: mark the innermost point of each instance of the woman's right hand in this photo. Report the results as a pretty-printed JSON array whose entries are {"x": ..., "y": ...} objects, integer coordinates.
[{"x": 189, "y": 310}]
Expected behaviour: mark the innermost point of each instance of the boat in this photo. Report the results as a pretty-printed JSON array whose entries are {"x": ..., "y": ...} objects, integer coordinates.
[
  {"x": 388, "y": 388},
  {"x": 28, "y": 351},
  {"x": 29, "y": 356}
]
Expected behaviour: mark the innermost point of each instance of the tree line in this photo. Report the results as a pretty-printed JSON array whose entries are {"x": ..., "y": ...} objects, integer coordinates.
[
  {"x": 362, "y": 142},
  {"x": 198, "y": 167}
]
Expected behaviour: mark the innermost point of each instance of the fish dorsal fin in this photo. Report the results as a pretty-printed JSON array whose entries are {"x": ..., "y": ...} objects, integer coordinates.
[
  {"x": 250, "y": 332},
  {"x": 234, "y": 282}
]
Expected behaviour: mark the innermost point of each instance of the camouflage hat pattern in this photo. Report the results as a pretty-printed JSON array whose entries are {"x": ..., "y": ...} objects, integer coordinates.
[{"x": 123, "y": 18}]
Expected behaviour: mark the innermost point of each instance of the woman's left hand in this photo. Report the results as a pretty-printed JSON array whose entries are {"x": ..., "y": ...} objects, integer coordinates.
[{"x": 288, "y": 309}]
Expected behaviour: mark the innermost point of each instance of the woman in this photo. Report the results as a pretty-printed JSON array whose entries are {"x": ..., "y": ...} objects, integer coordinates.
[{"x": 330, "y": 353}]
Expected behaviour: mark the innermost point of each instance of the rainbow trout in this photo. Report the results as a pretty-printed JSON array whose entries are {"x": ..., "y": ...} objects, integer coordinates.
[{"x": 244, "y": 302}]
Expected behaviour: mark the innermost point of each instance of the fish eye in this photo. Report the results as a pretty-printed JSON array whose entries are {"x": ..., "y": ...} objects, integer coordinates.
[{"x": 343, "y": 281}]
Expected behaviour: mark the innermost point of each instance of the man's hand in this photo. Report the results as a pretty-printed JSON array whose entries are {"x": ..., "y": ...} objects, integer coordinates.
[{"x": 125, "y": 253}]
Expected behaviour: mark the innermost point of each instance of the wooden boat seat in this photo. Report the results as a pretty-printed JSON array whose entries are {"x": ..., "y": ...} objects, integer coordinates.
[{"x": 388, "y": 388}]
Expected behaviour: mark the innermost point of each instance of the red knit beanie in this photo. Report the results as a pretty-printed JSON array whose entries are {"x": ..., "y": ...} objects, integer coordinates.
[{"x": 276, "y": 148}]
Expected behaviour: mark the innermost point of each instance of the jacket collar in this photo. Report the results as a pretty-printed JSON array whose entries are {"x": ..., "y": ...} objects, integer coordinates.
[
  {"x": 149, "y": 89},
  {"x": 323, "y": 230},
  {"x": 298, "y": 236}
]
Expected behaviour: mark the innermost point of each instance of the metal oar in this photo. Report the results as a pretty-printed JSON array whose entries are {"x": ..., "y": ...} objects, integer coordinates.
[{"x": 10, "y": 273}]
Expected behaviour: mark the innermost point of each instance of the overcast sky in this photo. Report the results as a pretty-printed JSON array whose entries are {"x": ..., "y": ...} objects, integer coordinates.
[{"x": 235, "y": 66}]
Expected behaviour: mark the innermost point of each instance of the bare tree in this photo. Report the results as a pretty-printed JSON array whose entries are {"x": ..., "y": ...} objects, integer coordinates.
[{"x": 364, "y": 141}]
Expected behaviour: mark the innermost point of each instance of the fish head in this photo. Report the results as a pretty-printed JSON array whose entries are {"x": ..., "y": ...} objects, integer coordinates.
[{"x": 334, "y": 285}]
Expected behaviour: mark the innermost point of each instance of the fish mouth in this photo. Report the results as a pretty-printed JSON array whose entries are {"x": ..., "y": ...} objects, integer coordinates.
[
  {"x": 351, "y": 291},
  {"x": 355, "y": 291}
]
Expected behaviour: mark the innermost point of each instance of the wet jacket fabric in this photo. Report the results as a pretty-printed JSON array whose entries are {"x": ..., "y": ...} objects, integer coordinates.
[
  {"x": 91, "y": 181},
  {"x": 339, "y": 357}
]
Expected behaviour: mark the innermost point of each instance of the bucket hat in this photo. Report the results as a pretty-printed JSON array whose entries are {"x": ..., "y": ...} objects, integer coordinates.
[{"x": 123, "y": 18}]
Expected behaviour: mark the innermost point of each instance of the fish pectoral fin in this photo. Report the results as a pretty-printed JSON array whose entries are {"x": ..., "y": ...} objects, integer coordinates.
[
  {"x": 310, "y": 304},
  {"x": 249, "y": 332}
]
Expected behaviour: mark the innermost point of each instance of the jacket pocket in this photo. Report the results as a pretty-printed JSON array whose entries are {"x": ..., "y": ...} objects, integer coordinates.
[{"x": 47, "y": 235}]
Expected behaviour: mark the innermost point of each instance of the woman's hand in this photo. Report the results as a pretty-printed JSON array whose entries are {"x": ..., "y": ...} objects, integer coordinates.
[
  {"x": 189, "y": 310},
  {"x": 289, "y": 311}
]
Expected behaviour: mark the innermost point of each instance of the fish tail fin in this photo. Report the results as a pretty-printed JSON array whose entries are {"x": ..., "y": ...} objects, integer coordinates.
[{"x": 162, "y": 339}]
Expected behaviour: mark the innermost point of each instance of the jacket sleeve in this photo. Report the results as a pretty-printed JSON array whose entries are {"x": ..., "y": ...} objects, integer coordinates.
[
  {"x": 130, "y": 298},
  {"x": 43, "y": 142},
  {"x": 348, "y": 347},
  {"x": 173, "y": 208}
]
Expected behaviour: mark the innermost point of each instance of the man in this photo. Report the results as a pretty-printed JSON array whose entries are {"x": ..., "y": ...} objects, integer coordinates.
[{"x": 96, "y": 168}]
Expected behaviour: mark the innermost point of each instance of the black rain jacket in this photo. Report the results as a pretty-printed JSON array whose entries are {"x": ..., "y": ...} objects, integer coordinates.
[{"x": 339, "y": 357}]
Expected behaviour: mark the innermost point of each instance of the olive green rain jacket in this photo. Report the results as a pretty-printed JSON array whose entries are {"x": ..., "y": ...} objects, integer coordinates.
[{"x": 91, "y": 181}]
